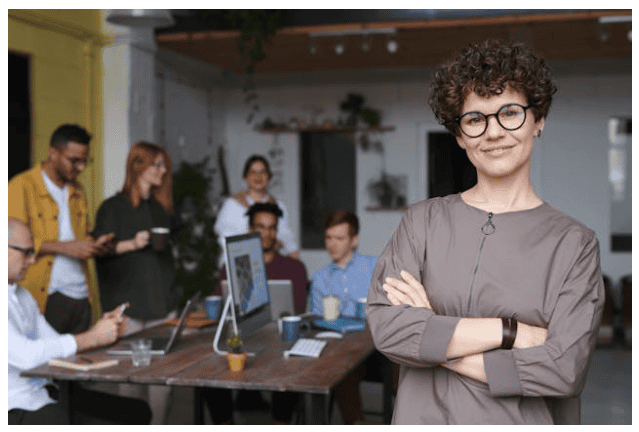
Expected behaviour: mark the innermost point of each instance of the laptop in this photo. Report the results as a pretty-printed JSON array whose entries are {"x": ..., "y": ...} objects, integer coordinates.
[
  {"x": 281, "y": 294},
  {"x": 162, "y": 346}
]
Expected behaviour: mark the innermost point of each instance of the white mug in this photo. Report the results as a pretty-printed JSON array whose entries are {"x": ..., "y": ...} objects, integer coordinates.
[{"x": 331, "y": 306}]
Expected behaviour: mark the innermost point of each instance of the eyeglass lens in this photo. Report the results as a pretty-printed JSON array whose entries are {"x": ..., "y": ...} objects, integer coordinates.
[
  {"x": 510, "y": 117},
  {"x": 76, "y": 161}
]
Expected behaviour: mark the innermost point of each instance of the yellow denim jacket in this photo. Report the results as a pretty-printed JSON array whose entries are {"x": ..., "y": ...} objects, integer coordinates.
[{"x": 30, "y": 202}]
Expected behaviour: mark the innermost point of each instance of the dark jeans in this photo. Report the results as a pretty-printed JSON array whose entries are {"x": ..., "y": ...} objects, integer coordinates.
[
  {"x": 220, "y": 405},
  {"x": 67, "y": 315},
  {"x": 105, "y": 406}
]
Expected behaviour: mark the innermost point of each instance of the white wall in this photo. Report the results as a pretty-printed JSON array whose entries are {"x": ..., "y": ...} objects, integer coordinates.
[
  {"x": 203, "y": 108},
  {"x": 569, "y": 164}
]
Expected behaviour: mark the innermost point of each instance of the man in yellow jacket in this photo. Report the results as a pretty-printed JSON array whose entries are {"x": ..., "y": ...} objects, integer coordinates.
[{"x": 53, "y": 204}]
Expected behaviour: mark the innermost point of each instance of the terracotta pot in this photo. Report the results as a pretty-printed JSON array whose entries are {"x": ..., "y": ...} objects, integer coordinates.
[{"x": 237, "y": 362}]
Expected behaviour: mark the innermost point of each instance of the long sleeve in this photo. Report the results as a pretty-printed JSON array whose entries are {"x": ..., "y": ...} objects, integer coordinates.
[
  {"x": 107, "y": 221},
  {"x": 318, "y": 290},
  {"x": 557, "y": 368},
  {"x": 407, "y": 335},
  {"x": 284, "y": 232},
  {"x": 31, "y": 339},
  {"x": 230, "y": 220}
]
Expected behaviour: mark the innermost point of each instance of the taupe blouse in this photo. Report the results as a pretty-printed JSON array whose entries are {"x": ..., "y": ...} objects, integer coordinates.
[{"x": 539, "y": 266}]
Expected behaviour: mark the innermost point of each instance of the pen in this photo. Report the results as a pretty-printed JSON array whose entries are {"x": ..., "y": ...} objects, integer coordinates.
[{"x": 351, "y": 327}]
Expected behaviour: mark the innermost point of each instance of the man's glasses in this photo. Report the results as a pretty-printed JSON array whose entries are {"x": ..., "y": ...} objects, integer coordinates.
[
  {"x": 76, "y": 161},
  {"x": 511, "y": 117},
  {"x": 28, "y": 252}
]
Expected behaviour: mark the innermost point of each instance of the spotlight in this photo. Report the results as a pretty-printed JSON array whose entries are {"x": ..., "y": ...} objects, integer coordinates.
[
  {"x": 313, "y": 47},
  {"x": 339, "y": 48},
  {"x": 367, "y": 43},
  {"x": 392, "y": 46}
]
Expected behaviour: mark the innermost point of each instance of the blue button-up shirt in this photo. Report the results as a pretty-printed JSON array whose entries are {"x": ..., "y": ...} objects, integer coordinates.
[{"x": 349, "y": 284}]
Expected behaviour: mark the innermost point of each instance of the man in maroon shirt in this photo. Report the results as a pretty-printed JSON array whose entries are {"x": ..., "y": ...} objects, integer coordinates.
[{"x": 263, "y": 218}]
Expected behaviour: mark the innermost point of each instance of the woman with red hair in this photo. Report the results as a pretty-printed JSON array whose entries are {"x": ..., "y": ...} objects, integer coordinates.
[{"x": 133, "y": 271}]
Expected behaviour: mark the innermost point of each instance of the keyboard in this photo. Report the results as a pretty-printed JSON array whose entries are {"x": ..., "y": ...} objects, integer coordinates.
[{"x": 306, "y": 348}]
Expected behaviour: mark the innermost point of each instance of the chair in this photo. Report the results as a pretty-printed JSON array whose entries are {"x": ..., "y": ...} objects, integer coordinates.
[
  {"x": 606, "y": 330},
  {"x": 626, "y": 293}
]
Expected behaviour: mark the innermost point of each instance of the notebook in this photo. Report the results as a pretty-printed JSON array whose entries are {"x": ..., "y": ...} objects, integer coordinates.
[
  {"x": 281, "y": 296},
  {"x": 342, "y": 324},
  {"x": 162, "y": 346}
]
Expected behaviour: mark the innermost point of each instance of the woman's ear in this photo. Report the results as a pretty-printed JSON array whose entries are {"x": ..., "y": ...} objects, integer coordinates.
[{"x": 540, "y": 127}]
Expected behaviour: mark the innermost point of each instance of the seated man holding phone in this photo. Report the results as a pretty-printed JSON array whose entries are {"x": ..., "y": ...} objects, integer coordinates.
[{"x": 32, "y": 341}]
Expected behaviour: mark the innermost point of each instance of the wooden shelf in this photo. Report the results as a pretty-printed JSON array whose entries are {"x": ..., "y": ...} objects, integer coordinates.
[
  {"x": 317, "y": 129},
  {"x": 379, "y": 208}
]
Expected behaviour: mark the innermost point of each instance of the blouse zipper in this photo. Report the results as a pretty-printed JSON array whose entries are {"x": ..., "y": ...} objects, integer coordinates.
[{"x": 487, "y": 229}]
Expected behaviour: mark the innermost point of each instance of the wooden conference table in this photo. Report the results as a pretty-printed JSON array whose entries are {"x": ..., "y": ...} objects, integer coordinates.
[{"x": 193, "y": 363}]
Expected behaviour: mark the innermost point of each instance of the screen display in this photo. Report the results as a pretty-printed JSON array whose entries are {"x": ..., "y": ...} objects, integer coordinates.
[{"x": 247, "y": 273}]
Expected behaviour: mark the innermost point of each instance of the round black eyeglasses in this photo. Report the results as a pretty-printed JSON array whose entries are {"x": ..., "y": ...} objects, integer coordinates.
[{"x": 511, "y": 117}]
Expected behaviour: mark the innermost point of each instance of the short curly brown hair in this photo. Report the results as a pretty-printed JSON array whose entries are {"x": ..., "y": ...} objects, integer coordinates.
[{"x": 486, "y": 68}]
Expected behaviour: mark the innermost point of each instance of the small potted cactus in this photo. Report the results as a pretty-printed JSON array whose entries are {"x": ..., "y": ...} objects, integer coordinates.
[{"x": 237, "y": 357}]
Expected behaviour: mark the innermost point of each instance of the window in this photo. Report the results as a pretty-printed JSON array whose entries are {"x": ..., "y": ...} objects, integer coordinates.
[
  {"x": 327, "y": 181},
  {"x": 449, "y": 170}
]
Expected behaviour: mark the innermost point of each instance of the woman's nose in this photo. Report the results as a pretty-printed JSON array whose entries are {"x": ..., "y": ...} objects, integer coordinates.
[{"x": 493, "y": 129}]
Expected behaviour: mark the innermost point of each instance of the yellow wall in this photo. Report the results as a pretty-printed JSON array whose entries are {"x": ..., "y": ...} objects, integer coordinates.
[{"x": 66, "y": 82}]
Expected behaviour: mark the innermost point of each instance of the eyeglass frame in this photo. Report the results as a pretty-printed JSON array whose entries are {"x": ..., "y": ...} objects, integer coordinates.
[
  {"x": 487, "y": 117},
  {"x": 75, "y": 161},
  {"x": 159, "y": 165},
  {"x": 28, "y": 252}
]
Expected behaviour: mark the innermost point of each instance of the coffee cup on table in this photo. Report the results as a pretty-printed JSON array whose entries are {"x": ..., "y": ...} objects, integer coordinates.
[
  {"x": 292, "y": 327},
  {"x": 159, "y": 238},
  {"x": 330, "y": 305},
  {"x": 213, "y": 306}
]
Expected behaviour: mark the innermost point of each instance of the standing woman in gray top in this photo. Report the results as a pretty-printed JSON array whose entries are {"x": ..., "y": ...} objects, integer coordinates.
[{"x": 490, "y": 300}]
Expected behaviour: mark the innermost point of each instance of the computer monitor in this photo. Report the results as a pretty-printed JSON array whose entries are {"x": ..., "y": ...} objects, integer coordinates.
[{"x": 248, "y": 293}]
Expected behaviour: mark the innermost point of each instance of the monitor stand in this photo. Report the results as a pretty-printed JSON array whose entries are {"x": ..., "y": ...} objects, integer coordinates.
[{"x": 228, "y": 305}]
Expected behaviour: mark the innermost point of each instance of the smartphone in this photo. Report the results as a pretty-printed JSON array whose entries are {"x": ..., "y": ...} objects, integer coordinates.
[{"x": 122, "y": 309}]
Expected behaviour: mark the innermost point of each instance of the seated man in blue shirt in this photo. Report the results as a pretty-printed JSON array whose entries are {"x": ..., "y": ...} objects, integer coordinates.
[
  {"x": 32, "y": 341},
  {"x": 347, "y": 277}
]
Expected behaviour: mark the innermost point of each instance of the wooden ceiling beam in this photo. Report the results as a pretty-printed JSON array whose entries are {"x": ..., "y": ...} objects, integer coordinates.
[{"x": 556, "y": 36}]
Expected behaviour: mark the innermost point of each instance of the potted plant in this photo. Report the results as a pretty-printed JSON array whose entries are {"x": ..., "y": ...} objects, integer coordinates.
[
  {"x": 237, "y": 357},
  {"x": 196, "y": 248}
]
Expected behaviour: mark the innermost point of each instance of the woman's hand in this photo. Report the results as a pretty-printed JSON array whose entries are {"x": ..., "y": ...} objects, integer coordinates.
[
  {"x": 529, "y": 336},
  {"x": 141, "y": 239},
  {"x": 406, "y": 292}
]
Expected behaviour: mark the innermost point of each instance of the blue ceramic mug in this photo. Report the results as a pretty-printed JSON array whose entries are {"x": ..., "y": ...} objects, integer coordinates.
[
  {"x": 213, "y": 306},
  {"x": 291, "y": 328}
]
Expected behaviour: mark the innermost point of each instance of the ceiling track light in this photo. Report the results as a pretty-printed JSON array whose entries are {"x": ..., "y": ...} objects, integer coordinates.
[
  {"x": 141, "y": 18},
  {"x": 367, "y": 40},
  {"x": 367, "y": 43},
  {"x": 392, "y": 46}
]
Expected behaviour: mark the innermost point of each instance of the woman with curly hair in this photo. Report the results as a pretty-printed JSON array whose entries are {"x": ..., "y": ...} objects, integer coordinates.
[{"x": 490, "y": 300}]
